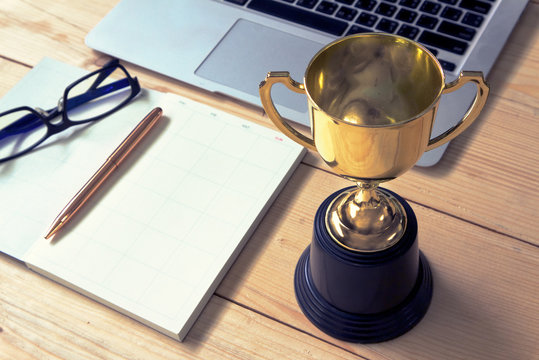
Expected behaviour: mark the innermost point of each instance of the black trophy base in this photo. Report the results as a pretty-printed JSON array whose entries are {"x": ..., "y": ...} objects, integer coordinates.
[{"x": 359, "y": 296}]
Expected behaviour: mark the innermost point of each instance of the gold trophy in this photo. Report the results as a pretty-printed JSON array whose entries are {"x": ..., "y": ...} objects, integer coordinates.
[{"x": 372, "y": 100}]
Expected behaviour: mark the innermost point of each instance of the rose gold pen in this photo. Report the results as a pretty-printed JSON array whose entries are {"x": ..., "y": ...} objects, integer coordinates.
[{"x": 111, "y": 164}]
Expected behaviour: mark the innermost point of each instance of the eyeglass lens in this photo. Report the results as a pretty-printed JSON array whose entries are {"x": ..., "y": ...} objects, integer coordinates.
[
  {"x": 97, "y": 95},
  {"x": 19, "y": 131}
]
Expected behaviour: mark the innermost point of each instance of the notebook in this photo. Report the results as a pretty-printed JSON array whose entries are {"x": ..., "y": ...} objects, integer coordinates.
[
  {"x": 228, "y": 46},
  {"x": 156, "y": 240}
]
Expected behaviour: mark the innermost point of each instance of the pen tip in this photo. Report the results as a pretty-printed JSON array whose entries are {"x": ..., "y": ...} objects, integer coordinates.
[{"x": 51, "y": 232}]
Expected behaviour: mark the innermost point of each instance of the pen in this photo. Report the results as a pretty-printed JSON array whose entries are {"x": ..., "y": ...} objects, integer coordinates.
[{"x": 112, "y": 162}]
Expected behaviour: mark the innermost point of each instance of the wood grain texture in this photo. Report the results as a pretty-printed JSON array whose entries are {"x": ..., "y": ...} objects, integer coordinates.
[
  {"x": 485, "y": 283},
  {"x": 476, "y": 209},
  {"x": 470, "y": 169},
  {"x": 49, "y": 321}
]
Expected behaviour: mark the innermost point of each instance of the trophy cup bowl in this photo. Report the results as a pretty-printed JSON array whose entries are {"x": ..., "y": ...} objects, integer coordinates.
[{"x": 372, "y": 100}]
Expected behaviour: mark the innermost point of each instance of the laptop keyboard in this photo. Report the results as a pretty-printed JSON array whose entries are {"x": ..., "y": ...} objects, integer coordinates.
[{"x": 448, "y": 28}]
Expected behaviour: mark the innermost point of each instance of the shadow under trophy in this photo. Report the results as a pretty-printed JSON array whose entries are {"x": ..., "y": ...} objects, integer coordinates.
[{"x": 372, "y": 100}]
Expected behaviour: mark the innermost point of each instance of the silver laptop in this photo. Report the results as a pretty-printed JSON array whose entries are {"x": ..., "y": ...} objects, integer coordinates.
[{"x": 228, "y": 46}]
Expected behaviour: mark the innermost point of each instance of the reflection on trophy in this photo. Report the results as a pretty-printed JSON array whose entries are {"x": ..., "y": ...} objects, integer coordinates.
[{"x": 372, "y": 101}]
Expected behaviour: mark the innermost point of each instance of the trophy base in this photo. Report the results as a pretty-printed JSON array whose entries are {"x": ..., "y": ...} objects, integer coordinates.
[{"x": 363, "y": 297}]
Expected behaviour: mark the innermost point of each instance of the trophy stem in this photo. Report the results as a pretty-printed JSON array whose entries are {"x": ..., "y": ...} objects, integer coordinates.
[
  {"x": 367, "y": 193},
  {"x": 366, "y": 218}
]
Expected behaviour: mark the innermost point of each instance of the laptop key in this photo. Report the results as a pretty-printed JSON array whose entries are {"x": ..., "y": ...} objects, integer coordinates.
[
  {"x": 367, "y": 19},
  {"x": 443, "y": 42},
  {"x": 462, "y": 32},
  {"x": 406, "y": 15},
  {"x": 386, "y": 25},
  {"x": 410, "y": 3},
  {"x": 428, "y": 22},
  {"x": 346, "y": 13},
  {"x": 430, "y": 7},
  {"x": 299, "y": 16},
  {"x": 366, "y": 4},
  {"x": 472, "y": 19},
  {"x": 327, "y": 8},
  {"x": 408, "y": 31},
  {"x": 386, "y": 9},
  {"x": 237, "y": 2},
  {"x": 451, "y": 13},
  {"x": 307, "y": 3},
  {"x": 447, "y": 65},
  {"x": 355, "y": 29},
  {"x": 475, "y": 5}
]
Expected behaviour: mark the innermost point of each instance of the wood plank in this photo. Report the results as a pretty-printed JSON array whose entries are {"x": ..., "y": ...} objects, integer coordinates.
[
  {"x": 466, "y": 183},
  {"x": 40, "y": 319},
  {"x": 32, "y": 29},
  {"x": 11, "y": 74},
  {"x": 486, "y": 292}
]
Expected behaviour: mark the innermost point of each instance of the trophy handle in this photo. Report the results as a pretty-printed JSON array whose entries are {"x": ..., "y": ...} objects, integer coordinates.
[
  {"x": 267, "y": 102},
  {"x": 472, "y": 113}
]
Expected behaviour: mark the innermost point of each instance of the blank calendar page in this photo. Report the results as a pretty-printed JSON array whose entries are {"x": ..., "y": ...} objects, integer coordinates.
[{"x": 166, "y": 226}]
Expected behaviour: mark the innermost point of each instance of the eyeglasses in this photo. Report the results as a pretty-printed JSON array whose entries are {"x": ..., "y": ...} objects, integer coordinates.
[{"x": 88, "y": 99}]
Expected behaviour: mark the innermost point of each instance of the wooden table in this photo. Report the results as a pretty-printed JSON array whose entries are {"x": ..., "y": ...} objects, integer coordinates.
[{"x": 477, "y": 211}]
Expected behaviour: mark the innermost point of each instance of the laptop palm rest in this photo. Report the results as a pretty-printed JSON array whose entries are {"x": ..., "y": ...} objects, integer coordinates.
[{"x": 248, "y": 51}]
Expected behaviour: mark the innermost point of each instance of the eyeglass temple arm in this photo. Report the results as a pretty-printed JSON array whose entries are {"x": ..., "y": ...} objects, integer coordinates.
[
  {"x": 102, "y": 76},
  {"x": 105, "y": 71}
]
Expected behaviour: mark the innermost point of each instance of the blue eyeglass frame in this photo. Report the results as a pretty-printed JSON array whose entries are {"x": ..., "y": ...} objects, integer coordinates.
[{"x": 38, "y": 117}]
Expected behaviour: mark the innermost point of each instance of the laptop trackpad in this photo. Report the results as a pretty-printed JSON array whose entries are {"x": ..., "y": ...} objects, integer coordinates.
[{"x": 248, "y": 51}]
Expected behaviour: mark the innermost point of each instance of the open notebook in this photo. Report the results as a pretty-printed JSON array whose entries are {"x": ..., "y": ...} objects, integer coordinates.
[{"x": 157, "y": 239}]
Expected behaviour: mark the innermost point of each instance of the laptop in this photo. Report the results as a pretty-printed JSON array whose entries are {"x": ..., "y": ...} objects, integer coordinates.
[{"x": 228, "y": 46}]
